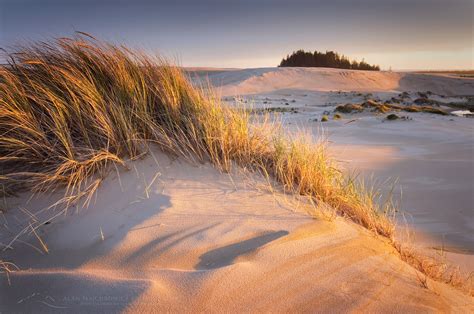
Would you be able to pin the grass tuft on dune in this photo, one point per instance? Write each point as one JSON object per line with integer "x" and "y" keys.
{"x": 72, "y": 108}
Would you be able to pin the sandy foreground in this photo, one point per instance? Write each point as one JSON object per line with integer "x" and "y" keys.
{"x": 166, "y": 235}
{"x": 178, "y": 237}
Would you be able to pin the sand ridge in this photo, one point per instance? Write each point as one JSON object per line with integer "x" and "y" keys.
{"x": 271, "y": 80}
{"x": 430, "y": 158}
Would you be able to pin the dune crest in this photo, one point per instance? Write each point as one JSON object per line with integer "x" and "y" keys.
{"x": 267, "y": 80}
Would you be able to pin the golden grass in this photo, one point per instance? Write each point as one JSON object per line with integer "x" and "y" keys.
{"x": 7, "y": 268}
{"x": 71, "y": 108}
{"x": 435, "y": 268}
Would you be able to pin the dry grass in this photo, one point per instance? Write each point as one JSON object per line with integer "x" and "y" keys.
{"x": 71, "y": 108}
{"x": 435, "y": 268}
{"x": 387, "y": 107}
{"x": 7, "y": 268}
{"x": 349, "y": 108}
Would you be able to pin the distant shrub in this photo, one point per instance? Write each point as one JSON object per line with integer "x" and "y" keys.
{"x": 348, "y": 108}
{"x": 392, "y": 117}
{"x": 328, "y": 59}
{"x": 324, "y": 118}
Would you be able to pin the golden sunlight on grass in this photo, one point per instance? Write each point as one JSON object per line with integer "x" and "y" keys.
{"x": 72, "y": 108}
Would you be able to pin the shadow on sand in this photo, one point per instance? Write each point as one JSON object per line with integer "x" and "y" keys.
{"x": 225, "y": 255}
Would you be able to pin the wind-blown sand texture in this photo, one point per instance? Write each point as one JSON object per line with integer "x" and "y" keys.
{"x": 170, "y": 236}
{"x": 177, "y": 237}
{"x": 430, "y": 156}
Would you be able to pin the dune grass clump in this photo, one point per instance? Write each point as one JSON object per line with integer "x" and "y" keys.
{"x": 435, "y": 268}
{"x": 72, "y": 108}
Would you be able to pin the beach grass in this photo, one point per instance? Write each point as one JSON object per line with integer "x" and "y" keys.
{"x": 73, "y": 107}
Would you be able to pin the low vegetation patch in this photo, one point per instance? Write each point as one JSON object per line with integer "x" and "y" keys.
{"x": 374, "y": 106}
{"x": 425, "y": 101}
{"x": 464, "y": 105}
{"x": 435, "y": 268}
{"x": 412, "y": 109}
{"x": 349, "y": 108}
{"x": 433, "y": 110}
{"x": 392, "y": 117}
{"x": 273, "y": 110}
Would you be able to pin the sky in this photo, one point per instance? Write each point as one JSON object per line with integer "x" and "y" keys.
{"x": 397, "y": 34}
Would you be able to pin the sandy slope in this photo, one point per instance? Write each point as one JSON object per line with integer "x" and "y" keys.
{"x": 169, "y": 236}
{"x": 433, "y": 160}
{"x": 431, "y": 156}
{"x": 267, "y": 80}
{"x": 191, "y": 239}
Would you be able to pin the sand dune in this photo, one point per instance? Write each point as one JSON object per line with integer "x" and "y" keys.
{"x": 170, "y": 236}
{"x": 177, "y": 237}
{"x": 267, "y": 80}
{"x": 430, "y": 156}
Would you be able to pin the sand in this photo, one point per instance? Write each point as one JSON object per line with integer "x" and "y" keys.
{"x": 271, "y": 80}
{"x": 206, "y": 241}
{"x": 430, "y": 157}
{"x": 166, "y": 235}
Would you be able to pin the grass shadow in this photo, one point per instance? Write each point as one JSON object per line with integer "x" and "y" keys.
{"x": 225, "y": 255}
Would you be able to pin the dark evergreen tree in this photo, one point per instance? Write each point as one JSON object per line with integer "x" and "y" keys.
{"x": 329, "y": 59}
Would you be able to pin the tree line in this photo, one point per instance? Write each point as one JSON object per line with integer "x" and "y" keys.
{"x": 329, "y": 59}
